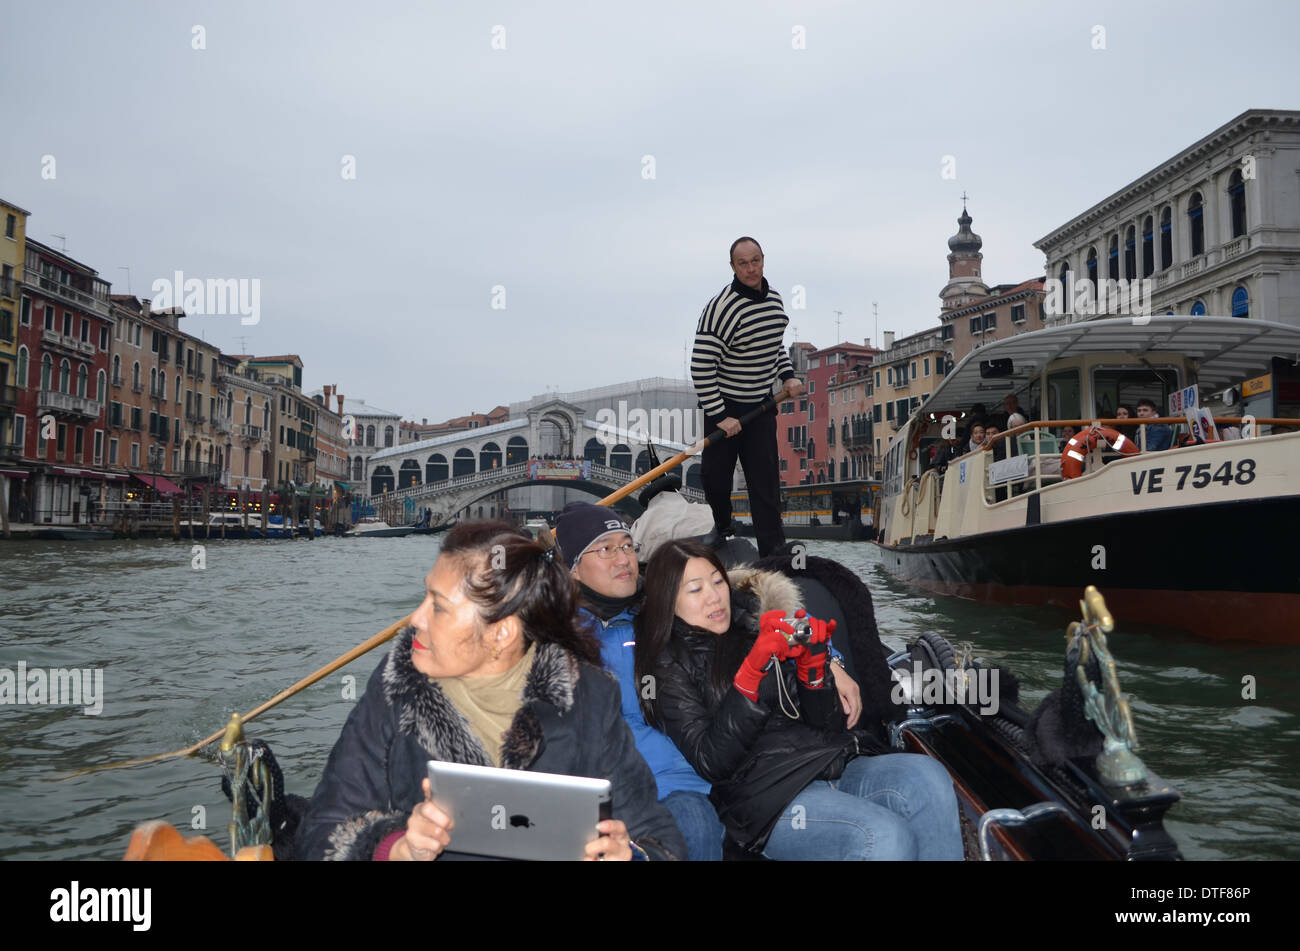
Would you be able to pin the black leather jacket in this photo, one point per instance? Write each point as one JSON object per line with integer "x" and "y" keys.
{"x": 756, "y": 756}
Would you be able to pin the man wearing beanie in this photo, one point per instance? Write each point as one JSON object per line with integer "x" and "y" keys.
{"x": 597, "y": 546}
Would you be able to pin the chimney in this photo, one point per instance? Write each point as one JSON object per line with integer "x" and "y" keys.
{"x": 889, "y": 339}
{"x": 425, "y": 421}
{"x": 339, "y": 396}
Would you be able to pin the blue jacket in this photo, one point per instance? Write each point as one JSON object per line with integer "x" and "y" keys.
{"x": 617, "y": 651}
{"x": 1159, "y": 436}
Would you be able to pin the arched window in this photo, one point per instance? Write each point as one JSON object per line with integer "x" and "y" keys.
{"x": 47, "y": 369}
{"x": 81, "y": 381}
{"x": 1198, "y": 309}
{"x": 101, "y": 386}
{"x": 370, "y": 436}
{"x": 153, "y": 381}
{"x": 1240, "y": 302}
{"x": 1166, "y": 238}
{"x": 178, "y": 386}
{"x": 1148, "y": 247}
{"x": 65, "y": 377}
{"x": 388, "y": 436}
{"x": 135, "y": 375}
{"x": 20, "y": 377}
{"x": 489, "y": 457}
{"x": 381, "y": 480}
{"x": 1237, "y": 200}
{"x": 462, "y": 463}
{"x": 1064, "y": 278}
{"x": 1196, "y": 221}
{"x": 1130, "y": 254}
{"x": 117, "y": 370}
{"x": 1092, "y": 266}
{"x": 620, "y": 457}
{"x": 642, "y": 463}
{"x": 1112, "y": 267}
{"x": 358, "y": 472}
{"x": 594, "y": 451}
{"x": 248, "y": 410}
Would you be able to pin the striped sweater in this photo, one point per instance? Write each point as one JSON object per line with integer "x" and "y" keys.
{"x": 738, "y": 353}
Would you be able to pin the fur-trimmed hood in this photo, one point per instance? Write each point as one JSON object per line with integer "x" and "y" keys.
{"x": 568, "y": 722}
{"x": 424, "y": 712}
{"x": 765, "y": 590}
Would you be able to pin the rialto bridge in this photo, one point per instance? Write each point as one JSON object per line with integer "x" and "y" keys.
{"x": 448, "y": 473}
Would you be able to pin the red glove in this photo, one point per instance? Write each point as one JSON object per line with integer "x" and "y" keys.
{"x": 810, "y": 661}
{"x": 771, "y": 643}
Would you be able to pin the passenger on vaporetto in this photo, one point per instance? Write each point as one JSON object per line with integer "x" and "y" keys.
{"x": 790, "y": 779}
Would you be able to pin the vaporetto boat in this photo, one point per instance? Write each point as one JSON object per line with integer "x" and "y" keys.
{"x": 1196, "y": 536}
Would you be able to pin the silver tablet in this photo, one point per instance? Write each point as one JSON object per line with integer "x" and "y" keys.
{"x": 517, "y": 814}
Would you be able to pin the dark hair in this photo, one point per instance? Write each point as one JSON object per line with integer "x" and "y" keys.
{"x": 731, "y": 255}
{"x": 1146, "y": 402}
{"x": 654, "y": 623}
{"x": 507, "y": 573}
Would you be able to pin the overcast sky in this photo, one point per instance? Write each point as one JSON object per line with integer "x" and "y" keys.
{"x": 525, "y": 167}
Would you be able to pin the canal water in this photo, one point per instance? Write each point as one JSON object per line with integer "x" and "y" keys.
{"x": 180, "y": 647}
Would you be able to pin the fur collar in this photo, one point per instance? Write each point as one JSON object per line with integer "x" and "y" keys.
{"x": 755, "y": 592}
{"x": 424, "y": 712}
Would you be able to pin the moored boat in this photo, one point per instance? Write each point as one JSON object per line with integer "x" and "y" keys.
{"x": 372, "y": 527}
{"x": 1191, "y": 537}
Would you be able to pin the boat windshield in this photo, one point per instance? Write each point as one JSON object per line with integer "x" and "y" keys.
{"x": 1113, "y": 387}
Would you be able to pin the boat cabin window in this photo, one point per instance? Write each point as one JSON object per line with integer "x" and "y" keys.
{"x": 1112, "y": 386}
{"x": 1063, "y": 396}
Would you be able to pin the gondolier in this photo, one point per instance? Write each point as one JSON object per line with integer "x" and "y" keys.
{"x": 738, "y": 355}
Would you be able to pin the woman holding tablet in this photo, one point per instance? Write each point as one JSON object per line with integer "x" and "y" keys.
{"x": 495, "y": 670}
{"x": 790, "y": 781}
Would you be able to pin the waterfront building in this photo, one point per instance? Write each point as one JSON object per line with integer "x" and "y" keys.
{"x": 246, "y": 423}
{"x": 1213, "y": 230}
{"x": 202, "y": 447}
{"x": 850, "y": 431}
{"x": 373, "y": 429}
{"x": 414, "y": 432}
{"x": 293, "y": 419}
{"x": 140, "y": 392}
{"x": 331, "y": 448}
{"x": 905, "y": 374}
{"x": 62, "y": 355}
{"x": 804, "y": 439}
{"x": 15, "y": 310}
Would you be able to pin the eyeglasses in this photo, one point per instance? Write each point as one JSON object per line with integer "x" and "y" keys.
{"x": 606, "y": 552}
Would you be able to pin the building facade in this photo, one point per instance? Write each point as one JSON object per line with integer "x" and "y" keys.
{"x": 1213, "y": 230}
{"x": 904, "y": 376}
{"x": 15, "y": 311}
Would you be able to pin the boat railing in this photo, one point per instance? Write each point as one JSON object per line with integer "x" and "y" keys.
{"x": 1044, "y": 467}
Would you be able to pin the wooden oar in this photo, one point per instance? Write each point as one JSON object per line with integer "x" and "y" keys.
{"x": 698, "y": 447}
{"x": 387, "y": 634}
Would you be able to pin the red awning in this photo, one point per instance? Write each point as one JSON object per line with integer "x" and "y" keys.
{"x": 164, "y": 485}
{"x": 14, "y": 473}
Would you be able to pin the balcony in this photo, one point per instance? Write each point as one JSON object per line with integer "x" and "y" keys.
{"x": 248, "y": 431}
{"x": 67, "y": 293}
{"x": 11, "y": 452}
{"x": 221, "y": 424}
{"x": 158, "y": 393}
{"x": 8, "y": 397}
{"x": 203, "y": 471}
{"x": 191, "y": 417}
{"x": 86, "y": 347}
{"x": 55, "y": 339}
{"x": 162, "y": 355}
{"x": 198, "y": 375}
{"x": 117, "y": 380}
{"x": 137, "y": 387}
{"x": 52, "y": 401}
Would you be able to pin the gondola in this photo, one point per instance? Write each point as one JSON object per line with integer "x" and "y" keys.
{"x": 1061, "y": 782}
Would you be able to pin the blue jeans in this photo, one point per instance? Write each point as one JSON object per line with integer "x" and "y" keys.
{"x": 894, "y": 807}
{"x": 699, "y": 824}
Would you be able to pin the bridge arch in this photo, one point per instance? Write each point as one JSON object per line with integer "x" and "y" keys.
{"x": 408, "y": 474}
{"x": 620, "y": 457}
{"x": 381, "y": 480}
{"x": 594, "y": 450}
{"x": 489, "y": 457}
{"x": 462, "y": 463}
{"x": 436, "y": 469}
{"x": 516, "y": 450}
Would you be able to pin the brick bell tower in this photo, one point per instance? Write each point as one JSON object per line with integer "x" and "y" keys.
{"x": 964, "y": 260}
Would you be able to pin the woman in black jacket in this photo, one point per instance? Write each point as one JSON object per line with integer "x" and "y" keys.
{"x": 495, "y": 670}
{"x": 759, "y": 718}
